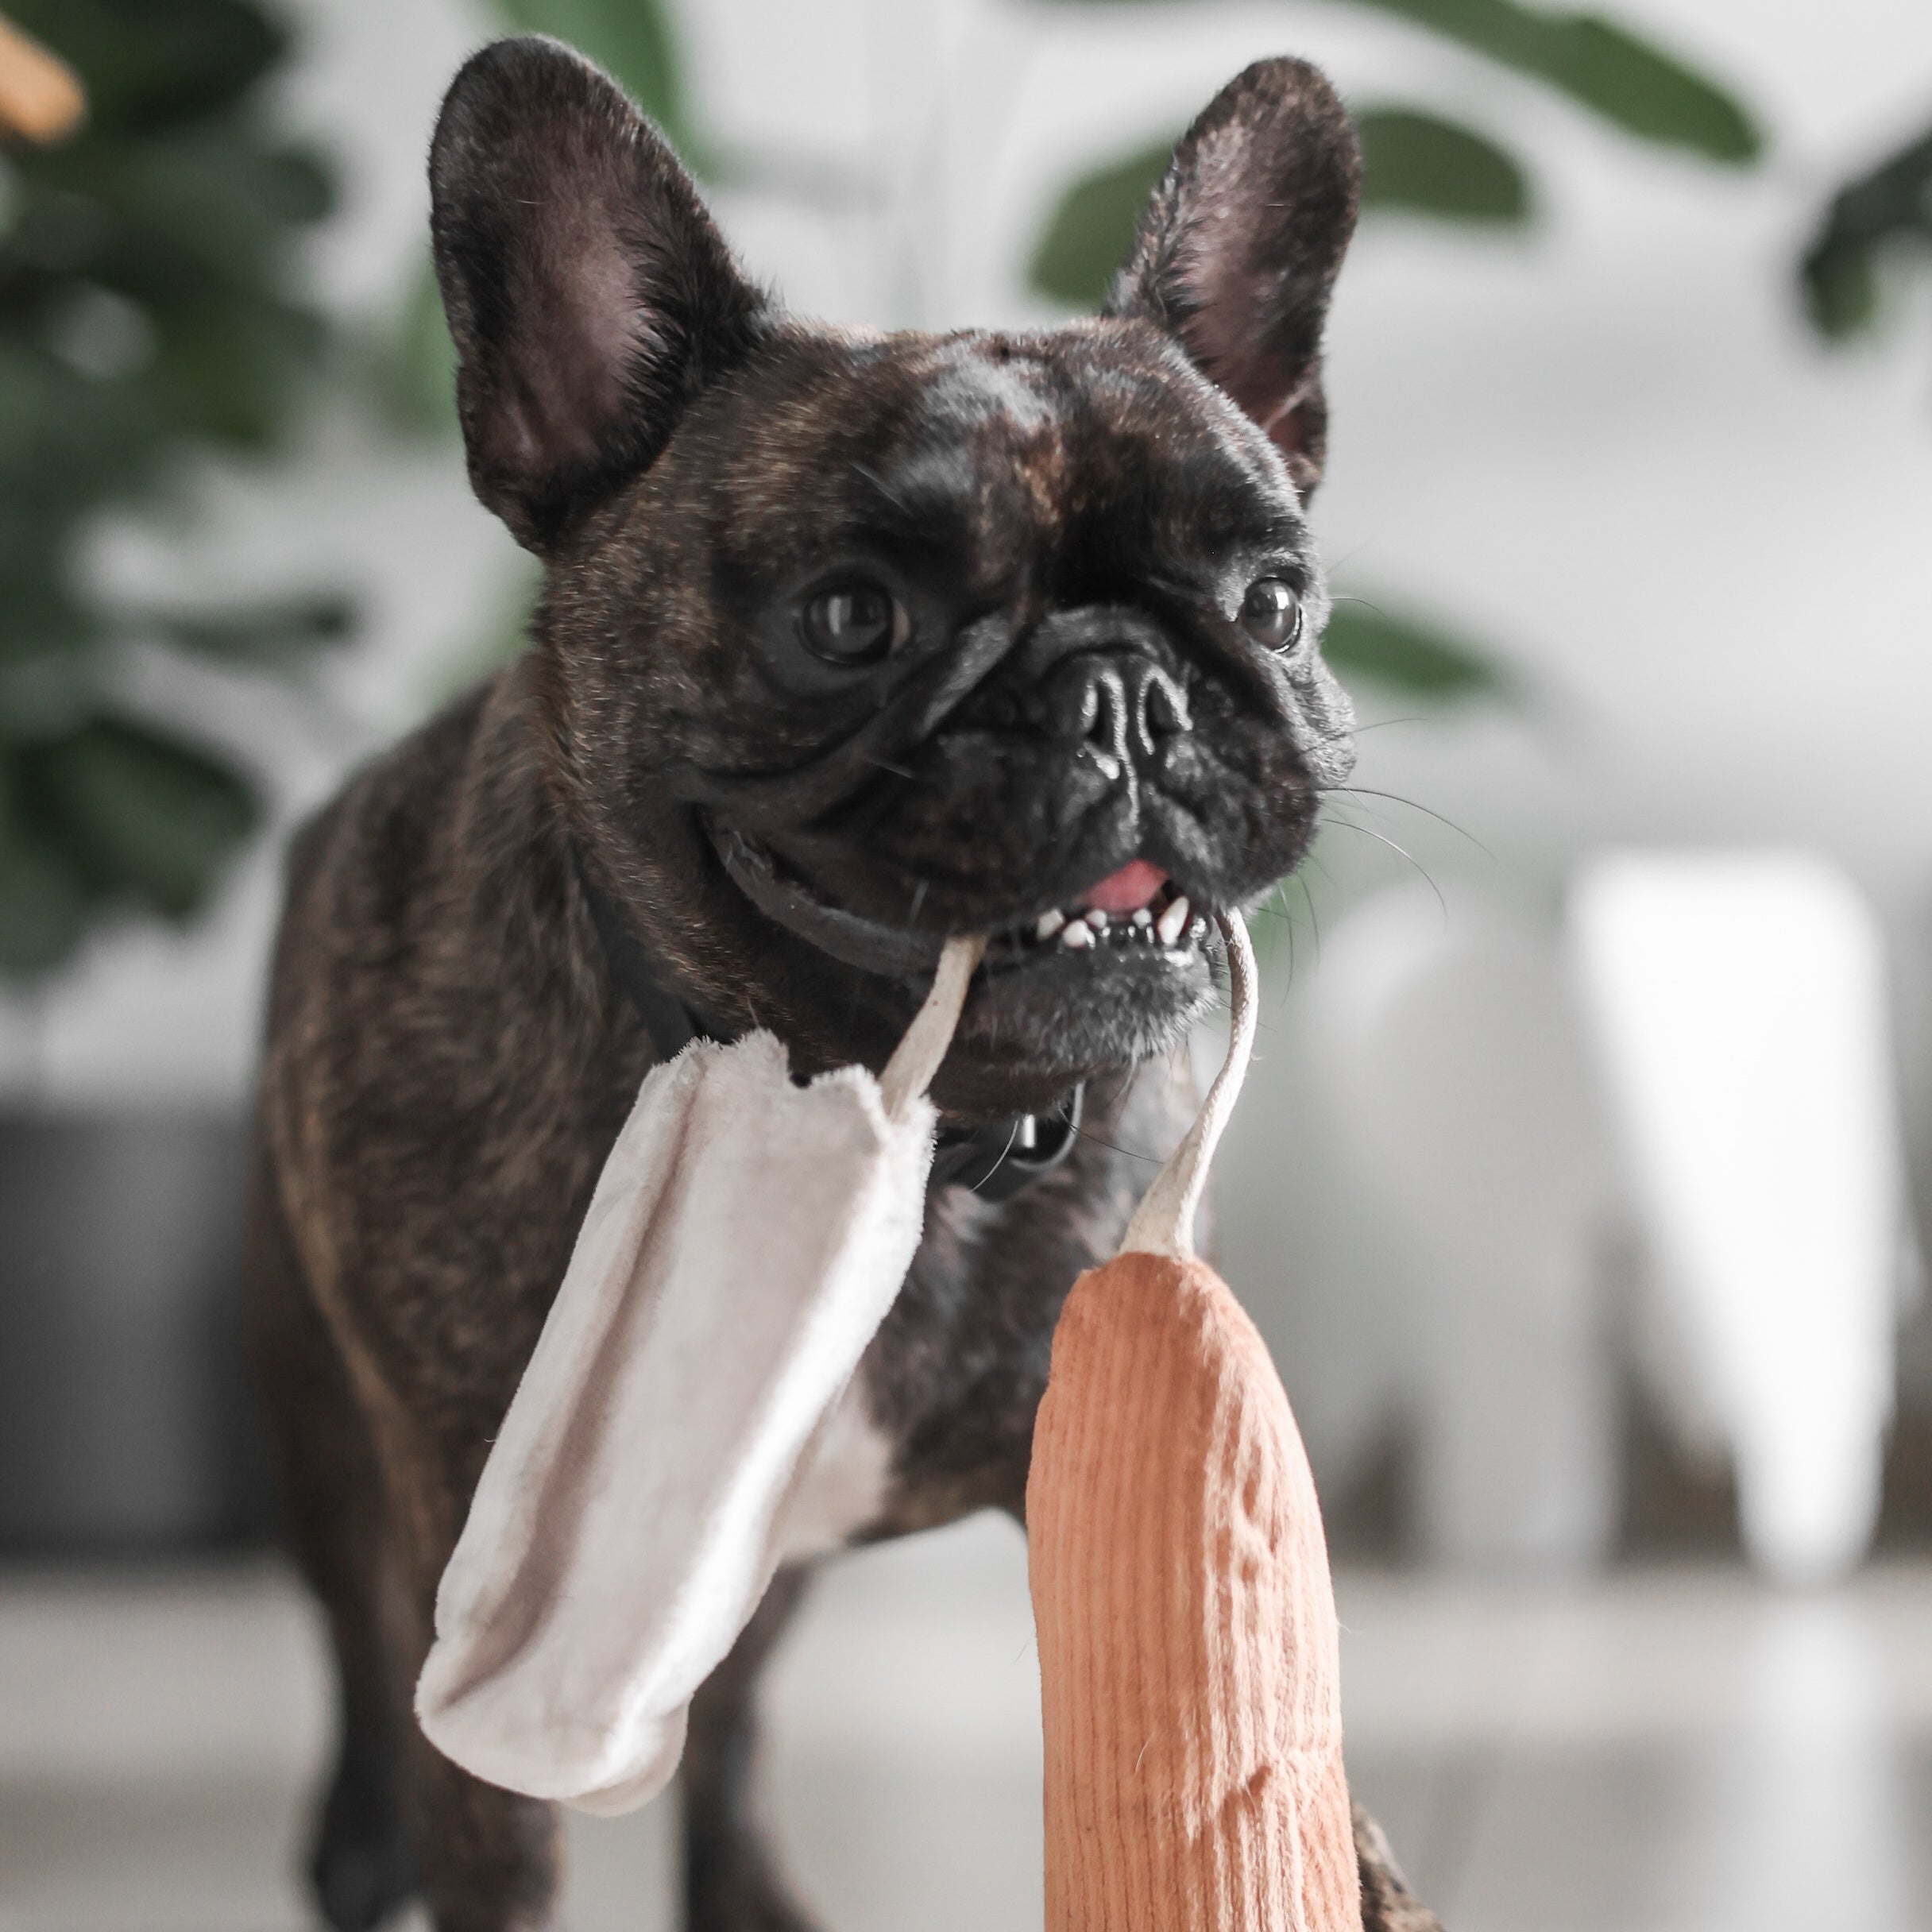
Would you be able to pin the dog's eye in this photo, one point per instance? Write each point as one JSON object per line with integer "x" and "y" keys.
{"x": 1271, "y": 612}
{"x": 853, "y": 623}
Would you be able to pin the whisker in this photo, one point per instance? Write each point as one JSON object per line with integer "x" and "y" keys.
{"x": 1152, "y": 1159}
{"x": 1313, "y": 858}
{"x": 1350, "y": 596}
{"x": 1427, "y": 879}
{"x": 1360, "y": 731}
{"x": 1315, "y": 919}
{"x": 1368, "y": 791}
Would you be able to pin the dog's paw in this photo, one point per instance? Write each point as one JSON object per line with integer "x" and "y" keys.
{"x": 742, "y": 1896}
{"x": 361, "y": 1868}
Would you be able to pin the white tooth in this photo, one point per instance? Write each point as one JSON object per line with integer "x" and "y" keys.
{"x": 1096, "y": 918}
{"x": 1109, "y": 764}
{"x": 1077, "y": 935}
{"x": 1173, "y": 923}
{"x": 1050, "y": 923}
{"x": 1143, "y": 917}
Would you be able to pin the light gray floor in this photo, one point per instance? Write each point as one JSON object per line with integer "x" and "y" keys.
{"x": 1667, "y": 1752}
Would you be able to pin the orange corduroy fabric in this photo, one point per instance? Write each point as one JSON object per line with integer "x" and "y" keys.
{"x": 1189, "y": 1673}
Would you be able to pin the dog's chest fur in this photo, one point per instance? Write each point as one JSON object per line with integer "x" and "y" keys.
{"x": 450, "y": 1063}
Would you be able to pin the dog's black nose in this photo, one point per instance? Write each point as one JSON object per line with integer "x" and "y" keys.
{"x": 1121, "y": 703}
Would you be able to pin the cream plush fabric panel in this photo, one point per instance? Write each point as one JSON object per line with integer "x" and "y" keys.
{"x": 746, "y": 1239}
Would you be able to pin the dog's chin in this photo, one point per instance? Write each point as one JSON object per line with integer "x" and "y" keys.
{"x": 1047, "y": 1007}
{"x": 1063, "y": 1017}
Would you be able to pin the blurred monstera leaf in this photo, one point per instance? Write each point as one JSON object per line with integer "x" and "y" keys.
{"x": 271, "y": 632}
{"x": 1089, "y": 233}
{"x": 150, "y": 308}
{"x": 631, "y": 41}
{"x": 1417, "y": 163}
{"x": 142, "y": 815}
{"x": 1407, "y": 657}
{"x": 1628, "y": 80}
{"x": 1885, "y": 212}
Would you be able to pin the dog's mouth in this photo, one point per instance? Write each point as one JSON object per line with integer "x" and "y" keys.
{"x": 1136, "y": 910}
{"x": 1137, "y": 905}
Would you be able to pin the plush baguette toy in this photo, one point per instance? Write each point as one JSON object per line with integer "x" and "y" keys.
{"x": 1189, "y": 1674}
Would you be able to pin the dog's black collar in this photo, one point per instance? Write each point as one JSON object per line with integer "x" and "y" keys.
{"x": 996, "y": 1161}
{"x": 666, "y": 1019}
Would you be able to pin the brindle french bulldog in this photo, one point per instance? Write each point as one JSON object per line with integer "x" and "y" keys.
{"x": 848, "y": 641}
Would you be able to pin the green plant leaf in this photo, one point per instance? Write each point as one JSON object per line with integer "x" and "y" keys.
{"x": 1417, "y": 163}
{"x": 45, "y": 905}
{"x": 410, "y": 364}
{"x": 272, "y": 633}
{"x": 1629, "y": 81}
{"x": 150, "y": 302}
{"x": 1087, "y": 236}
{"x": 144, "y": 815}
{"x": 150, "y": 64}
{"x": 1869, "y": 217}
{"x": 1840, "y": 283}
{"x": 630, "y": 39}
{"x": 1408, "y": 656}
{"x": 47, "y": 690}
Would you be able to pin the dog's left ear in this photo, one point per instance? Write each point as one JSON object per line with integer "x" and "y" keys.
{"x": 1240, "y": 247}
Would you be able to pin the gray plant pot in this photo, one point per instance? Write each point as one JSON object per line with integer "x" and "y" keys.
{"x": 125, "y": 1423}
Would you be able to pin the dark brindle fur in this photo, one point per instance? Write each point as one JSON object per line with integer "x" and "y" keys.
{"x": 450, "y": 1052}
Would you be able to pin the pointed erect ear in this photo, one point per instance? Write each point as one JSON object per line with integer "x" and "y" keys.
{"x": 1239, "y": 246}
{"x": 589, "y": 294}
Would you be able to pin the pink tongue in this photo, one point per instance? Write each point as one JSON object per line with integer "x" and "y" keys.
{"x": 1128, "y": 890}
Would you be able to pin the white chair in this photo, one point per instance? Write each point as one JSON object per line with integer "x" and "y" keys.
{"x": 1738, "y": 1001}
{"x": 1448, "y": 1063}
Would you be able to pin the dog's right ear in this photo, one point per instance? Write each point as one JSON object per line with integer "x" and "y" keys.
{"x": 589, "y": 294}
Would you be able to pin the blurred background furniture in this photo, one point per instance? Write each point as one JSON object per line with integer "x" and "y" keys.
{"x": 1742, "y": 1018}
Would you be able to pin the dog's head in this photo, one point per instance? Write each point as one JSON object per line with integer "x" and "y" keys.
{"x": 850, "y": 641}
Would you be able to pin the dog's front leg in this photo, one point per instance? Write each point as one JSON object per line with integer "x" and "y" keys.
{"x": 488, "y": 1860}
{"x": 729, "y": 1884}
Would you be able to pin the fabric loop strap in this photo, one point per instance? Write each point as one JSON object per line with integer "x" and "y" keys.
{"x": 1164, "y": 1222}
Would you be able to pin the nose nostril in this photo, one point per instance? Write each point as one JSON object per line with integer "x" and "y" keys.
{"x": 1104, "y": 710}
{"x": 1107, "y": 729}
{"x": 1160, "y": 710}
{"x": 1117, "y": 706}
{"x": 1164, "y": 704}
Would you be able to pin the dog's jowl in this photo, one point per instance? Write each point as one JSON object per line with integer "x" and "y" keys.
{"x": 848, "y": 641}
